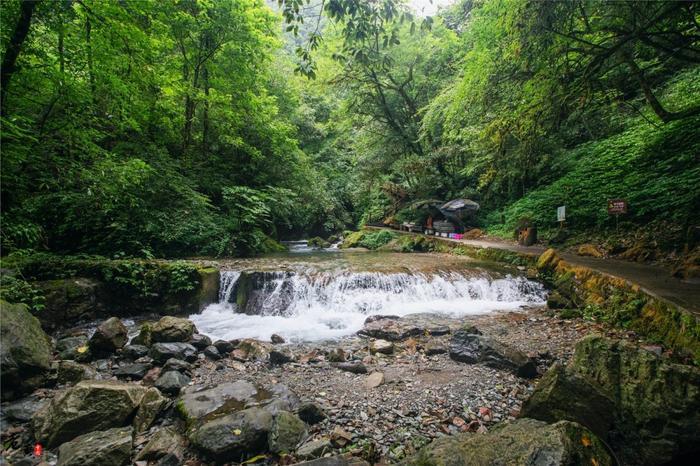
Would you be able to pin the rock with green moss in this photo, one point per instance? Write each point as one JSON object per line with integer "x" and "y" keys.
{"x": 645, "y": 406}
{"x": 71, "y": 299}
{"x": 171, "y": 329}
{"x": 233, "y": 437}
{"x": 318, "y": 243}
{"x": 352, "y": 240}
{"x": 100, "y": 448}
{"x": 152, "y": 403}
{"x": 110, "y": 336}
{"x": 286, "y": 432}
{"x": 25, "y": 351}
{"x": 524, "y": 442}
{"x": 88, "y": 406}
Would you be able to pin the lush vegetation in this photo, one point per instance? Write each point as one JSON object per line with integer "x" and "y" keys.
{"x": 215, "y": 127}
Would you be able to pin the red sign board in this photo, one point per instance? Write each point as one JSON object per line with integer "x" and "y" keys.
{"x": 617, "y": 206}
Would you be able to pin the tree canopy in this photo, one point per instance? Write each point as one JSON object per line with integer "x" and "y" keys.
{"x": 212, "y": 127}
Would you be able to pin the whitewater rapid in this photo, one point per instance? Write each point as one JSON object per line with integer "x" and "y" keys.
{"x": 313, "y": 307}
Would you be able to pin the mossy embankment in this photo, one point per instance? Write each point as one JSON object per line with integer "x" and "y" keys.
{"x": 394, "y": 241}
{"x": 619, "y": 302}
{"x": 69, "y": 289}
{"x": 576, "y": 291}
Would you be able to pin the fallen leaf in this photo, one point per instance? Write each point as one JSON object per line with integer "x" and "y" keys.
{"x": 585, "y": 441}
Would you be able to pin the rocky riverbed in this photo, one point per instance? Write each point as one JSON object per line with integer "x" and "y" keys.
{"x": 378, "y": 396}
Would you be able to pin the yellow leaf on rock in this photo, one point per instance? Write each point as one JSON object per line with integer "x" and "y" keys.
{"x": 236, "y": 431}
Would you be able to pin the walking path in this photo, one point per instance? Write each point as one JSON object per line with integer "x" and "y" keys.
{"x": 655, "y": 281}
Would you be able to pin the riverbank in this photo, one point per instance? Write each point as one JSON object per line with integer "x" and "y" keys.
{"x": 401, "y": 386}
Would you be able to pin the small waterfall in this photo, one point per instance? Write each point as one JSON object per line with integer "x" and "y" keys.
{"x": 315, "y": 306}
{"x": 227, "y": 283}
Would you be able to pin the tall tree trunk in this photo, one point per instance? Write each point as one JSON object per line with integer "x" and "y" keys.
{"x": 190, "y": 107}
{"x": 13, "y": 49}
{"x": 654, "y": 103}
{"x": 205, "y": 116}
{"x": 91, "y": 69}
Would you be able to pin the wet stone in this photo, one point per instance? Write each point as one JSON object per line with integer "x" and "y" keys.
{"x": 212, "y": 352}
{"x": 355, "y": 367}
{"x": 171, "y": 382}
{"x": 200, "y": 341}
{"x": 134, "y": 352}
{"x": 161, "y": 352}
{"x": 224, "y": 347}
{"x": 132, "y": 371}
{"x": 179, "y": 365}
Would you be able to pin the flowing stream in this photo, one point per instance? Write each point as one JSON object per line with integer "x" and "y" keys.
{"x": 317, "y": 300}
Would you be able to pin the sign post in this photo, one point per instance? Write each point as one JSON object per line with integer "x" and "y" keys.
{"x": 561, "y": 216}
{"x": 617, "y": 207}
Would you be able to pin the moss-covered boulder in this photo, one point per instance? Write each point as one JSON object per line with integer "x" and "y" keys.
{"x": 25, "y": 350}
{"x": 233, "y": 437}
{"x": 645, "y": 406}
{"x": 525, "y": 442}
{"x": 72, "y": 300}
{"x": 100, "y": 448}
{"x": 318, "y": 243}
{"x": 88, "y": 406}
{"x": 286, "y": 432}
{"x": 171, "y": 329}
{"x": 110, "y": 336}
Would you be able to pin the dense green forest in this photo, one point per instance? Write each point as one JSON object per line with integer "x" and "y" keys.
{"x": 214, "y": 127}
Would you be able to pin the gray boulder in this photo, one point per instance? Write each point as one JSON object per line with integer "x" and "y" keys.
{"x": 150, "y": 407}
{"x": 212, "y": 353}
{"x": 166, "y": 441}
{"x": 171, "y": 329}
{"x": 179, "y": 365}
{"x": 474, "y": 348}
{"x": 200, "y": 341}
{"x": 110, "y": 336}
{"x": 88, "y": 406}
{"x": 524, "y": 442}
{"x": 171, "y": 382}
{"x": 100, "y": 448}
{"x": 134, "y": 352}
{"x": 195, "y": 402}
{"x": 23, "y": 410}
{"x": 161, "y": 352}
{"x": 234, "y": 437}
{"x": 134, "y": 371}
{"x": 25, "y": 352}
{"x": 73, "y": 372}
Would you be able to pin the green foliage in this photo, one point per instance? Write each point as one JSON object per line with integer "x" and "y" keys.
{"x": 655, "y": 169}
{"x": 376, "y": 239}
{"x": 15, "y": 290}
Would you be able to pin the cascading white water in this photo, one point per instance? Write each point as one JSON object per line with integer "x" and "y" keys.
{"x": 227, "y": 283}
{"x": 310, "y": 307}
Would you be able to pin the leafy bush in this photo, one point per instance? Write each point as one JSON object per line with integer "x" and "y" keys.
{"x": 376, "y": 239}
{"x": 16, "y": 290}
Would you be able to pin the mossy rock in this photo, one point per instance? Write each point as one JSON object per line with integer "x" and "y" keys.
{"x": 318, "y": 242}
{"x": 644, "y": 405}
{"x": 353, "y": 239}
{"x": 25, "y": 350}
{"x": 524, "y": 442}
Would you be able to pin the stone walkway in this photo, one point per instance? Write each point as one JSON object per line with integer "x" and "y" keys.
{"x": 655, "y": 281}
